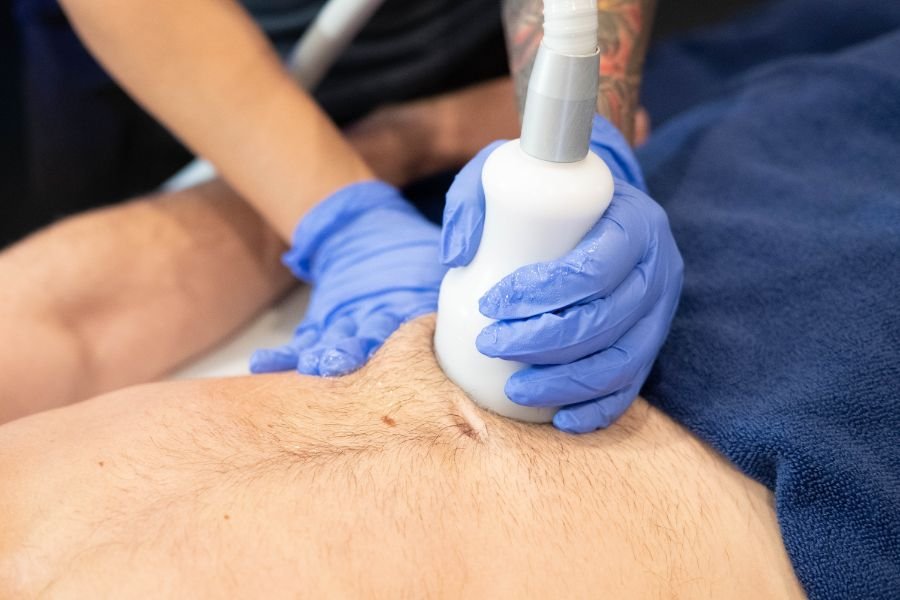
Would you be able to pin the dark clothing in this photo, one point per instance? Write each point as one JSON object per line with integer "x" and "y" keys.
{"x": 89, "y": 144}
{"x": 410, "y": 49}
{"x": 86, "y": 142}
{"x": 779, "y": 166}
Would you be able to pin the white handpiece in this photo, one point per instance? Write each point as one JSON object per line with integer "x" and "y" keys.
{"x": 543, "y": 193}
{"x": 535, "y": 211}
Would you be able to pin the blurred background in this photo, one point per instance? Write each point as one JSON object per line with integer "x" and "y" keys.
{"x": 70, "y": 139}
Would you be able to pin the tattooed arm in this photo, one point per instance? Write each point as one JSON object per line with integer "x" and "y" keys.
{"x": 624, "y": 30}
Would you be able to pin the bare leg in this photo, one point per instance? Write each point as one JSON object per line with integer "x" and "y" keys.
{"x": 122, "y": 295}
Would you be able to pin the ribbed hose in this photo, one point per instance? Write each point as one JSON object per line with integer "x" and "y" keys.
{"x": 336, "y": 25}
{"x": 570, "y": 26}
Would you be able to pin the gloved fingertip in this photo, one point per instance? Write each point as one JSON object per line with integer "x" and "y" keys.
{"x": 464, "y": 213}
{"x": 308, "y": 363}
{"x": 335, "y": 363}
{"x": 513, "y": 299}
{"x": 521, "y": 392}
{"x": 272, "y": 361}
{"x": 450, "y": 255}
{"x": 492, "y": 305}
{"x": 455, "y": 252}
{"x": 487, "y": 341}
{"x": 594, "y": 415}
{"x": 569, "y": 423}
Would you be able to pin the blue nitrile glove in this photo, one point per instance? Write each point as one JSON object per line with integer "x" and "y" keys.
{"x": 592, "y": 322}
{"x": 374, "y": 263}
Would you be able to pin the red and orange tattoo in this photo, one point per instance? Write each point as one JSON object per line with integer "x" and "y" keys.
{"x": 624, "y": 31}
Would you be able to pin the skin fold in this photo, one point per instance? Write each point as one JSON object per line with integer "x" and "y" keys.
{"x": 387, "y": 483}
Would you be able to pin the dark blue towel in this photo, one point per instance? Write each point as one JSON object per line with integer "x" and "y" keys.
{"x": 689, "y": 69}
{"x": 782, "y": 183}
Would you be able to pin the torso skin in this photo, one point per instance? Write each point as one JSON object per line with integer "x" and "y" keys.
{"x": 388, "y": 483}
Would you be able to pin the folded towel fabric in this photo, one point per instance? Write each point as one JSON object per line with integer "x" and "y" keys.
{"x": 782, "y": 183}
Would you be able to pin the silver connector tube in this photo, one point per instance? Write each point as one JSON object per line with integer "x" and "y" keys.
{"x": 562, "y": 91}
{"x": 560, "y": 106}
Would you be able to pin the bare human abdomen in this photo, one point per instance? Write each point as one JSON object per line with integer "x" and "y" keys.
{"x": 387, "y": 483}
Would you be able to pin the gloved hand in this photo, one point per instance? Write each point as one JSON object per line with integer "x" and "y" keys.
{"x": 591, "y": 323}
{"x": 374, "y": 263}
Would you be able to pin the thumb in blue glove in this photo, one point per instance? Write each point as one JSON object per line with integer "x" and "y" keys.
{"x": 591, "y": 323}
{"x": 374, "y": 263}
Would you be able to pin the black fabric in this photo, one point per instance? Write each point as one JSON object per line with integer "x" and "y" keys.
{"x": 410, "y": 49}
{"x": 14, "y": 216}
{"x": 416, "y": 48}
{"x": 89, "y": 144}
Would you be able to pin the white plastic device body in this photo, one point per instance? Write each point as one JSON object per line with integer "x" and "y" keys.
{"x": 543, "y": 193}
{"x": 535, "y": 211}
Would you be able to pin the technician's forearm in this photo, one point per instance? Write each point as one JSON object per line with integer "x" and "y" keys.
{"x": 624, "y": 33}
{"x": 122, "y": 295}
{"x": 207, "y": 72}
